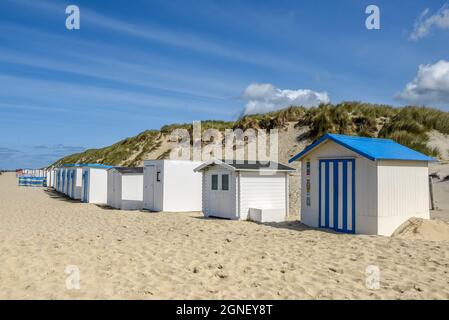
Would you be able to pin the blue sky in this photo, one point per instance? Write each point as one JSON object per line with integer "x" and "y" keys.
{"x": 139, "y": 65}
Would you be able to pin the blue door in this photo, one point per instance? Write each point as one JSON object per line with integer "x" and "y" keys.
{"x": 337, "y": 194}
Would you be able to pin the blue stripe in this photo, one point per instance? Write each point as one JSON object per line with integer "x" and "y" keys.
{"x": 326, "y": 185}
{"x": 319, "y": 195}
{"x": 336, "y": 194}
{"x": 345, "y": 195}
{"x": 353, "y": 196}
{"x": 326, "y": 190}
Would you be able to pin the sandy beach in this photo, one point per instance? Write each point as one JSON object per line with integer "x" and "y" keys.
{"x": 142, "y": 255}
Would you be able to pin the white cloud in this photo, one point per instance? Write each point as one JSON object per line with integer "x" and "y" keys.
{"x": 425, "y": 23}
{"x": 431, "y": 85}
{"x": 264, "y": 97}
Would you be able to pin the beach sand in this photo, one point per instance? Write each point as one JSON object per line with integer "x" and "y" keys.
{"x": 142, "y": 255}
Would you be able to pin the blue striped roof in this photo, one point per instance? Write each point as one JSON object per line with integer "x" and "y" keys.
{"x": 371, "y": 148}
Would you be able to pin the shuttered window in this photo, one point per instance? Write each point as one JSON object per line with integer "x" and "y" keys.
{"x": 214, "y": 182}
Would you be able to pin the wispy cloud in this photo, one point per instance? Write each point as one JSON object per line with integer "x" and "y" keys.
{"x": 101, "y": 98}
{"x": 180, "y": 39}
{"x": 425, "y": 22}
{"x": 7, "y": 153}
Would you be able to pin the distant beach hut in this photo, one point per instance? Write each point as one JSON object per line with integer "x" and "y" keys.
{"x": 49, "y": 175}
{"x": 362, "y": 185}
{"x": 65, "y": 178}
{"x": 58, "y": 179}
{"x": 95, "y": 183}
{"x": 74, "y": 180}
{"x": 125, "y": 188}
{"x": 171, "y": 185}
{"x": 61, "y": 179}
{"x": 245, "y": 190}
{"x": 53, "y": 178}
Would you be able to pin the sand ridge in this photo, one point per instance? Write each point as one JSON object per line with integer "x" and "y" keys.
{"x": 142, "y": 255}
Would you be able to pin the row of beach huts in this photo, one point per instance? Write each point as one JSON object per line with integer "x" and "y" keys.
{"x": 238, "y": 190}
{"x": 348, "y": 184}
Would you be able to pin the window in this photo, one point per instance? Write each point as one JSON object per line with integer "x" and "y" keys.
{"x": 225, "y": 182}
{"x": 215, "y": 182}
{"x": 308, "y": 168}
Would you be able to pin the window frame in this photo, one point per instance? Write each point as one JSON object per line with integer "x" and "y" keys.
{"x": 221, "y": 184}
{"x": 212, "y": 182}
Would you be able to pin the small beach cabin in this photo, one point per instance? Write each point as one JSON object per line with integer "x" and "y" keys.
{"x": 362, "y": 185}
{"x": 75, "y": 180}
{"x": 245, "y": 190}
{"x": 59, "y": 180}
{"x": 54, "y": 173}
{"x": 49, "y": 175}
{"x": 70, "y": 173}
{"x": 95, "y": 183}
{"x": 125, "y": 188}
{"x": 63, "y": 186}
{"x": 171, "y": 185}
{"x": 67, "y": 180}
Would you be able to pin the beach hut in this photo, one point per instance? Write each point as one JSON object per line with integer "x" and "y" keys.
{"x": 362, "y": 185}
{"x": 48, "y": 176}
{"x": 74, "y": 180}
{"x": 66, "y": 181}
{"x": 58, "y": 179}
{"x": 171, "y": 185}
{"x": 62, "y": 183}
{"x": 125, "y": 188}
{"x": 95, "y": 183}
{"x": 245, "y": 190}
{"x": 53, "y": 177}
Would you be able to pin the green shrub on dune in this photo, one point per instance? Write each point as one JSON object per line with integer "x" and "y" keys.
{"x": 408, "y": 125}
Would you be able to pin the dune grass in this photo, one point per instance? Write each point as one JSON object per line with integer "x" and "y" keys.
{"x": 408, "y": 126}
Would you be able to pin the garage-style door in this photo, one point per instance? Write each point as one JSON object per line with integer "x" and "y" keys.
{"x": 337, "y": 194}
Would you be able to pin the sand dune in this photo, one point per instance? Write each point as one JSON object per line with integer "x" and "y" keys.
{"x": 145, "y": 255}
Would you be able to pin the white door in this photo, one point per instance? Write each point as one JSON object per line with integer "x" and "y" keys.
{"x": 220, "y": 199}
{"x": 148, "y": 191}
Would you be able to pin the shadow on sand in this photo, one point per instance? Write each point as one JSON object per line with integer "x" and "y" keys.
{"x": 52, "y": 193}
{"x": 294, "y": 225}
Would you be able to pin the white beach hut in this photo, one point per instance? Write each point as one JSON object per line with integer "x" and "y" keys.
{"x": 69, "y": 174}
{"x": 245, "y": 190}
{"x": 75, "y": 181}
{"x": 171, "y": 185}
{"x": 49, "y": 174}
{"x": 125, "y": 188}
{"x": 63, "y": 184}
{"x": 53, "y": 177}
{"x": 95, "y": 183}
{"x": 362, "y": 185}
{"x": 67, "y": 180}
{"x": 59, "y": 179}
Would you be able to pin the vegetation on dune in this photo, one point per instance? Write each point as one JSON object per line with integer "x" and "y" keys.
{"x": 118, "y": 153}
{"x": 407, "y": 125}
{"x": 206, "y": 124}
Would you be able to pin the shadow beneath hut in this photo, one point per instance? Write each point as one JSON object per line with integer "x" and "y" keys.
{"x": 106, "y": 207}
{"x": 52, "y": 193}
{"x": 294, "y": 225}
